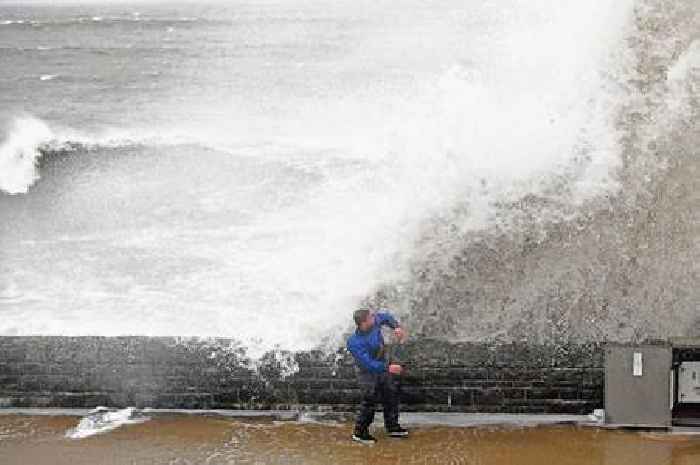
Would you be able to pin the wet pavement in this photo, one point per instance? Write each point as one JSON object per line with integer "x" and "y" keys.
{"x": 175, "y": 438}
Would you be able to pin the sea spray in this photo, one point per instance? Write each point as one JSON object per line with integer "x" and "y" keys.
{"x": 350, "y": 181}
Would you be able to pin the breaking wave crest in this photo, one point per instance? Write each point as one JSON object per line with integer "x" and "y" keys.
{"x": 20, "y": 152}
{"x": 29, "y": 139}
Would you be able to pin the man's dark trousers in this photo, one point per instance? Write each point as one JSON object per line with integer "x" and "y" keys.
{"x": 378, "y": 387}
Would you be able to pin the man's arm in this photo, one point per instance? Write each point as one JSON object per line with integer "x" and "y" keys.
{"x": 362, "y": 356}
{"x": 386, "y": 318}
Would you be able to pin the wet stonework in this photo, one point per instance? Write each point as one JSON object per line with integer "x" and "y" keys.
{"x": 215, "y": 373}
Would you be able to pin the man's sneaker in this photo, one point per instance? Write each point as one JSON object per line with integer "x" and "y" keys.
{"x": 397, "y": 431}
{"x": 363, "y": 437}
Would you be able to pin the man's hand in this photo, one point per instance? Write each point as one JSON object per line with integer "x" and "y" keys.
{"x": 400, "y": 334}
{"x": 395, "y": 369}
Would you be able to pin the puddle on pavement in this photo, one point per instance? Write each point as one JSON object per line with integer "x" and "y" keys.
{"x": 188, "y": 439}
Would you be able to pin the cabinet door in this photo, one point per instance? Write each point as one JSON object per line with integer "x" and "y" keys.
{"x": 689, "y": 382}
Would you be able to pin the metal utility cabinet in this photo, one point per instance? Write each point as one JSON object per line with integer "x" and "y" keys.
{"x": 653, "y": 385}
{"x": 638, "y": 385}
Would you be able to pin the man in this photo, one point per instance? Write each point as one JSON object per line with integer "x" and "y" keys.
{"x": 377, "y": 378}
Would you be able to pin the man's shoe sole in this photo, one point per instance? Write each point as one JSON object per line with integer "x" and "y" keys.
{"x": 363, "y": 441}
{"x": 398, "y": 434}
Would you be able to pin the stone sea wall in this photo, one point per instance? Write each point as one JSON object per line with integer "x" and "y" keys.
{"x": 196, "y": 373}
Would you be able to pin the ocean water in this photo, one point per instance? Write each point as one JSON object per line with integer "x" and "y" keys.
{"x": 256, "y": 169}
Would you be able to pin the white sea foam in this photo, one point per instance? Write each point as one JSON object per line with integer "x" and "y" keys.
{"x": 48, "y": 77}
{"x": 680, "y": 86}
{"x": 103, "y": 419}
{"x": 19, "y": 154}
{"x": 10, "y": 292}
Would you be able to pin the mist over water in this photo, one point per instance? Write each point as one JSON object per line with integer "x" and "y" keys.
{"x": 257, "y": 170}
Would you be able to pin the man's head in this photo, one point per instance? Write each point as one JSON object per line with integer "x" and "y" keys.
{"x": 364, "y": 319}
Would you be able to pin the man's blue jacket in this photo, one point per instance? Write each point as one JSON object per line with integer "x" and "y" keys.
{"x": 366, "y": 346}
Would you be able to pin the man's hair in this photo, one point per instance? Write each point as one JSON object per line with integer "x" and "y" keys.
{"x": 360, "y": 315}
